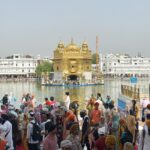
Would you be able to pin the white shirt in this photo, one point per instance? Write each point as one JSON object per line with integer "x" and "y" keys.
{"x": 67, "y": 102}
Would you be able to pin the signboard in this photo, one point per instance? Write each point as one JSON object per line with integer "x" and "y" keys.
{"x": 133, "y": 79}
{"x": 121, "y": 104}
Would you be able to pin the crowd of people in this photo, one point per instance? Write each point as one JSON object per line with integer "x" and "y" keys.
{"x": 54, "y": 125}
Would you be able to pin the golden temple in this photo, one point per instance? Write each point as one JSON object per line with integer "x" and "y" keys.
{"x": 72, "y": 62}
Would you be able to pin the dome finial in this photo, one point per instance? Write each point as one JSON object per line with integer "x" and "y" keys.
{"x": 72, "y": 40}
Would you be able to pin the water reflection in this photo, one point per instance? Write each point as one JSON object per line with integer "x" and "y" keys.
{"x": 111, "y": 87}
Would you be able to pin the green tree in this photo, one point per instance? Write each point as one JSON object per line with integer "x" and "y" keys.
{"x": 94, "y": 57}
{"x": 44, "y": 67}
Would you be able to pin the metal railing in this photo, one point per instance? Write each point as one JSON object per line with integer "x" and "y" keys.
{"x": 130, "y": 91}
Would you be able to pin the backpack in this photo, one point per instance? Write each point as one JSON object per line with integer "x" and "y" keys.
{"x": 126, "y": 137}
{"x": 36, "y": 134}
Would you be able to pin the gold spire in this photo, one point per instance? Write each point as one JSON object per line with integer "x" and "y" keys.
{"x": 72, "y": 41}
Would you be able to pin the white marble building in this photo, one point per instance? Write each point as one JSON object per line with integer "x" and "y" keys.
{"x": 124, "y": 65}
{"x": 18, "y": 66}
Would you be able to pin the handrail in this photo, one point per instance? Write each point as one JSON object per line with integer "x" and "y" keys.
{"x": 130, "y": 91}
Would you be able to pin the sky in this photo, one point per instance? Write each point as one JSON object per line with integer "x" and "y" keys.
{"x": 36, "y": 26}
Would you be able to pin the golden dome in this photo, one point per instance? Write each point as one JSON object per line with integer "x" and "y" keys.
{"x": 72, "y": 46}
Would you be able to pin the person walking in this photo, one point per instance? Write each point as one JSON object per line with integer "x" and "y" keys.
{"x": 50, "y": 141}
{"x": 100, "y": 101}
{"x": 85, "y": 129}
{"x": 95, "y": 115}
{"x": 8, "y": 135}
{"x": 100, "y": 142}
{"x": 144, "y": 102}
{"x": 74, "y": 137}
{"x": 67, "y": 100}
{"x": 33, "y": 144}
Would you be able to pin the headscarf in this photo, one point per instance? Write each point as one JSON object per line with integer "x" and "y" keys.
{"x": 110, "y": 140}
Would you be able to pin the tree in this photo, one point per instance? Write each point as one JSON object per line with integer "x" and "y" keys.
{"x": 44, "y": 67}
{"x": 95, "y": 57}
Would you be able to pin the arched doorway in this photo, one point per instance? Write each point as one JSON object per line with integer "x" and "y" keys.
{"x": 73, "y": 77}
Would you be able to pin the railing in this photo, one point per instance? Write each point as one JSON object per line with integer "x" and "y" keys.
{"x": 130, "y": 91}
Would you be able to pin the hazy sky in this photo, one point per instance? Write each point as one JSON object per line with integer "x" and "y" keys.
{"x": 36, "y": 26}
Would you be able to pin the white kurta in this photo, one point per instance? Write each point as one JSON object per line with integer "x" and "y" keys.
{"x": 67, "y": 102}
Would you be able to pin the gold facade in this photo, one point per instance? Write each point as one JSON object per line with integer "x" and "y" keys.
{"x": 72, "y": 61}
